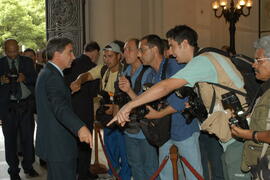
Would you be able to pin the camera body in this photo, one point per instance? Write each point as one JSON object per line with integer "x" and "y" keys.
{"x": 196, "y": 109}
{"x": 138, "y": 113}
{"x": 120, "y": 97}
{"x": 105, "y": 99}
{"x": 231, "y": 101}
{"x": 12, "y": 76}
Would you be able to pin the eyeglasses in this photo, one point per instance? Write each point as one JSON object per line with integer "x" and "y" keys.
{"x": 143, "y": 50}
{"x": 260, "y": 60}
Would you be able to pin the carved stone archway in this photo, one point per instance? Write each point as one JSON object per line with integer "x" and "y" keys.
{"x": 65, "y": 18}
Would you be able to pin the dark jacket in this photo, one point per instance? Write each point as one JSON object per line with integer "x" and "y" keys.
{"x": 57, "y": 124}
{"x": 82, "y": 101}
{"x": 26, "y": 66}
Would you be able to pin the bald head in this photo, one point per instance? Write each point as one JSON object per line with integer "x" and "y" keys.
{"x": 11, "y": 48}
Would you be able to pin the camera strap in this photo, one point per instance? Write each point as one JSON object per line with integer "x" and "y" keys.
{"x": 164, "y": 69}
{"x": 252, "y": 102}
{"x": 138, "y": 82}
{"x": 211, "y": 109}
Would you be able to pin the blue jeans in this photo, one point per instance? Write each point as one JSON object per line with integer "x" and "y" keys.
{"x": 116, "y": 149}
{"x": 188, "y": 148}
{"x": 142, "y": 158}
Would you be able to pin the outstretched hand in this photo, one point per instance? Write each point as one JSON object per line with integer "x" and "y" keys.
{"x": 122, "y": 116}
{"x": 75, "y": 86}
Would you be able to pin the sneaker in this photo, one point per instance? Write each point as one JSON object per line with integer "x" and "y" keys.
{"x": 32, "y": 172}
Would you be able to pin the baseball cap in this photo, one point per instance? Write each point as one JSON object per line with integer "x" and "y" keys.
{"x": 113, "y": 47}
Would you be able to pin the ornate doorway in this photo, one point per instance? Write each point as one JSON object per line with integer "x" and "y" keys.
{"x": 65, "y": 18}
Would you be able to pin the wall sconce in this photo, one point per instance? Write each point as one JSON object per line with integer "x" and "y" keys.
{"x": 232, "y": 13}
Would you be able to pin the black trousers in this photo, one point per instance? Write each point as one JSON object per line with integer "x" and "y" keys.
{"x": 84, "y": 159}
{"x": 19, "y": 119}
{"x": 65, "y": 170}
{"x": 211, "y": 152}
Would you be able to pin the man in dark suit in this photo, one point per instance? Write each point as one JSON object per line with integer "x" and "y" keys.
{"x": 82, "y": 102}
{"x": 17, "y": 81}
{"x": 57, "y": 124}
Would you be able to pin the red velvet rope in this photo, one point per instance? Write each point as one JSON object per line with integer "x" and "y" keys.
{"x": 193, "y": 171}
{"x": 106, "y": 155}
{"x": 162, "y": 165}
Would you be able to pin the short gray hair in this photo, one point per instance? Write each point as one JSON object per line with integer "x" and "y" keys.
{"x": 263, "y": 43}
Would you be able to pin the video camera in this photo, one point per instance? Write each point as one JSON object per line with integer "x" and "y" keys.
{"x": 196, "y": 109}
{"x": 231, "y": 101}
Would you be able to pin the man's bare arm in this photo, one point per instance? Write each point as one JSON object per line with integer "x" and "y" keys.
{"x": 158, "y": 91}
{"x": 82, "y": 78}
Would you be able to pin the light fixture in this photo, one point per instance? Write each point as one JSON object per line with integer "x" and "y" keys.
{"x": 232, "y": 15}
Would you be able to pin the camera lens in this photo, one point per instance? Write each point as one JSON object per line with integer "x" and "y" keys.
{"x": 188, "y": 115}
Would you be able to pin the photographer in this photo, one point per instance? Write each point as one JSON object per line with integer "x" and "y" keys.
{"x": 258, "y": 125}
{"x": 142, "y": 156}
{"x": 17, "y": 82}
{"x": 184, "y": 136}
{"x": 113, "y": 137}
{"x": 183, "y": 42}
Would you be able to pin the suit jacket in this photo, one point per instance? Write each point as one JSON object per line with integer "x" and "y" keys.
{"x": 57, "y": 124}
{"x": 26, "y": 66}
{"x": 82, "y": 101}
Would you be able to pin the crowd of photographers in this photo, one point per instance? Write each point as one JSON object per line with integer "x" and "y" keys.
{"x": 154, "y": 93}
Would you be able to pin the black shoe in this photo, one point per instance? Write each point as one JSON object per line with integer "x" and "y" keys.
{"x": 86, "y": 178}
{"x": 42, "y": 163}
{"x": 32, "y": 172}
{"x": 15, "y": 177}
{"x": 89, "y": 177}
{"x": 93, "y": 176}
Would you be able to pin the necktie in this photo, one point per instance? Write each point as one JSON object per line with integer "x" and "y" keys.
{"x": 16, "y": 90}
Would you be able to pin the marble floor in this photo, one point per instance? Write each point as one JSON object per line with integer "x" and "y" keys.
{"x": 3, "y": 165}
{"x": 43, "y": 172}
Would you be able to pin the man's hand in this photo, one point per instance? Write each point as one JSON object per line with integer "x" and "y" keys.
{"x": 239, "y": 132}
{"x": 21, "y": 78}
{"x": 122, "y": 116}
{"x": 85, "y": 136}
{"x": 153, "y": 114}
{"x": 4, "y": 79}
{"x": 75, "y": 86}
{"x": 124, "y": 84}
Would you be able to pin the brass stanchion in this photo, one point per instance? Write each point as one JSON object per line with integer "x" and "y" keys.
{"x": 97, "y": 168}
{"x": 174, "y": 159}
